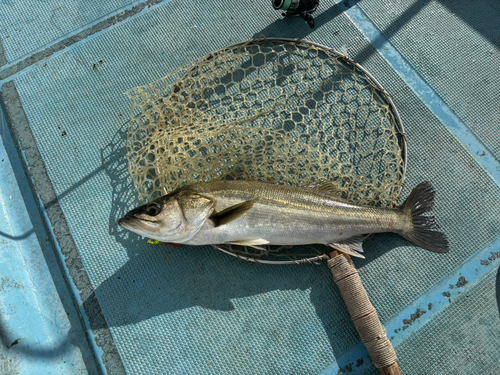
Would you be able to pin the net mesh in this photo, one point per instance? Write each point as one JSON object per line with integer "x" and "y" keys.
{"x": 279, "y": 111}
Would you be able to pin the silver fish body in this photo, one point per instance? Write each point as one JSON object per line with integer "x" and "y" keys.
{"x": 256, "y": 213}
{"x": 284, "y": 215}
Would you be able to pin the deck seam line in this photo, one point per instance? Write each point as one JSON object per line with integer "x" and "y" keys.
{"x": 441, "y": 296}
{"x": 3, "y": 58}
{"x": 424, "y": 91}
{"x": 20, "y": 133}
{"x": 75, "y": 38}
{"x": 474, "y": 269}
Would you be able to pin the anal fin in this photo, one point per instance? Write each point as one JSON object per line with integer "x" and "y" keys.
{"x": 352, "y": 246}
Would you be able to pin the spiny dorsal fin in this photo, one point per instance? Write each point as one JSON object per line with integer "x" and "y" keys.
{"x": 231, "y": 213}
{"x": 324, "y": 187}
{"x": 352, "y": 246}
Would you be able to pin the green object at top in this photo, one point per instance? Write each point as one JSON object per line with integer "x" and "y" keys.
{"x": 286, "y": 4}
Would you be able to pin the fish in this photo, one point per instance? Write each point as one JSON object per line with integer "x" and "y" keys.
{"x": 253, "y": 213}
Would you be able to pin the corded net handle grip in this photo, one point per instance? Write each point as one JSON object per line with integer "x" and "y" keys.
{"x": 363, "y": 313}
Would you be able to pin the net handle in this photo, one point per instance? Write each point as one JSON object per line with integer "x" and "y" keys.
{"x": 363, "y": 314}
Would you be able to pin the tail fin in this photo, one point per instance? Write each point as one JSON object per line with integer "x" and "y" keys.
{"x": 421, "y": 200}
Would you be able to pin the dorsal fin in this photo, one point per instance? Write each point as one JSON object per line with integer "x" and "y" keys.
{"x": 231, "y": 213}
{"x": 324, "y": 187}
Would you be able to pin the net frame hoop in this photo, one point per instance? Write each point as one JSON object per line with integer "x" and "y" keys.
{"x": 313, "y": 260}
{"x": 371, "y": 81}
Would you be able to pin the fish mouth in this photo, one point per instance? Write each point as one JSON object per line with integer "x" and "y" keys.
{"x": 139, "y": 225}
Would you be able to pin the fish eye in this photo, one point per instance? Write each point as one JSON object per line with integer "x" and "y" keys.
{"x": 153, "y": 209}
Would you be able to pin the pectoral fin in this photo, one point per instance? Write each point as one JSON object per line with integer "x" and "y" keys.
{"x": 252, "y": 243}
{"x": 231, "y": 213}
{"x": 352, "y": 246}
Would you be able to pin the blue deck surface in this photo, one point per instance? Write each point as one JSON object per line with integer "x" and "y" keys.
{"x": 84, "y": 296}
{"x": 28, "y": 26}
{"x": 40, "y": 330}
